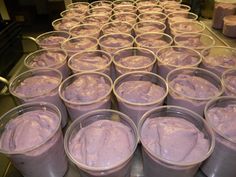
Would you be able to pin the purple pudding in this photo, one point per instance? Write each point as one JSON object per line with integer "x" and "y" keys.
{"x": 128, "y": 17}
{"x": 196, "y": 41}
{"x": 133, "y": 59}
{"x": 52, "y": 39}
{"x": 125, "y": 9}
{"x": 150, "y": 8}
{"x": 191, "y": 89}
{"x": 153, "y": 41}
{"x": 219, "y": 59}
{"x": 91, "y": 144}
{"x": 73, "y": 13}
{"x": 175, "y": 141}
{"x": 164, "y": 3}
{"x": 221, "y": 116}
{"x": 100, "y": 151}
{"x": 101, "y": 3}
{"x": 138, "y": 92}
{"x": 149, "y": 26}
{"x": 78, "y": 44}
{"x": 98, "y": 20}
{"x": 181, "y": 16}
{"x": 81, "y": 7}
{"x": 84, "y": 92}
{"x": 229, "y": 82}
{"x": 101, "y": 10}
{"x": 185, "y": 27}
{"x": 39, "y": 85}
{"x": 151, "y": 16}
{"x": 90, "y": 30}
{"x": 115, "y": 41}
{"x": 95, "y": 60}
{"x": 170, "y": 8}
{"x": 52, "y": 58}
{"x": 33, "y": 140}
{"x": 169, "y": 145}
{"x": 173, "y": 57}
{"x": 64, "y": 24}
{"x": 117, "y": 27}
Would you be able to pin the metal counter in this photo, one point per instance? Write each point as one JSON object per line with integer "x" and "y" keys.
{"x": 6, "y": 168}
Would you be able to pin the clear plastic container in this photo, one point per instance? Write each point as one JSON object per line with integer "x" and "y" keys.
{"x": 196, "y": 41}
{"x": 149, "y": 26}
{"x": 81, "y": 7}
{"x": 121, "y": 168}
{"x": 218, "y": 59}
{"x": 65, "y": 24}
{"x": 94, "y": 93}
{"x": 168, "y": 2}
{"x": 113, "y": 42}
{"x": 93, "y": 60}
{"x": 101, "y": 10}
{"x": 185, "y": 27}
{"x": 51, "y": 58}
{"x": 172, "y": 57}
{"x": 79, "y": 44}
{"x": 135, "y": 109}
{"x": 49, "y": 95}
{"x": 125, "y": 9}
{"x": 153, "y": 41}
{"x": 221, "y": 162}
{"x": 156, "y": 165}
{"x": 181, "y": 16}
{"x": 228, "y": 80}
{"x": 222, "y": 8}
{"x": 151, "y": 16}
{"x": 98, "y": 19}
{"x": 73, "y": 13}
{"x": 170, "y": 8}
{"x": 102, "y": 3}
{"x": 141, "y": 3}
{"x": 144, "y": 61}
{"x": 184, "y": 90}
{"x": 119, "y": 3}
{"x": 117, "y": 27}
{"x": 128, "y": 17}
{"x": 46, "y": 158}
{"x": 52, "y": 39}
{"x": 90, "y": 30}
{"x": 150, "y": 8}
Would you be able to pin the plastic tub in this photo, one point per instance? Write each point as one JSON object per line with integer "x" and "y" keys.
{"x": 218, "y": 59}
{"x": 133, "y": 59}
{"x": 121, "y": 166}
{"x": 43, "y": 84}
{"x": 90, "y": 30}
{"x": 52, "y": 39}
{"x": 93, "y": 60}
{"x": 37, "y": 156}
{"x": 132, "y": 105}
{"x": 85, "y": 92}
{"x": 159, "y": 164}
{"x": 51, "y": 58}
{"x": 192, "y": 88}
{"x": 172, "y": 57}
{"x": 216, "y": 110}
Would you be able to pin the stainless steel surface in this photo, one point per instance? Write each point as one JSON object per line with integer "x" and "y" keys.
{"x": 218, "y": 35}
{"x": 7, "y": 170}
